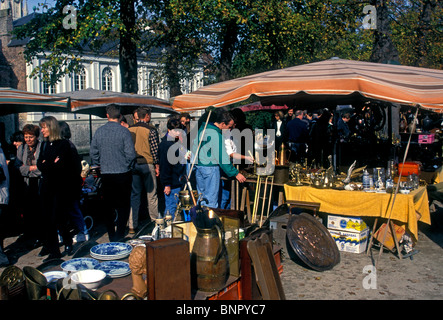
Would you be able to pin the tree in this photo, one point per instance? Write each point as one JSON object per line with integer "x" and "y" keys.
{"x": 241, "y": 37}
{"x": 384, "y": 50}
{"x": 173, "y": 26}
{"x": 102, "y": 27}
{"x": 417, "y": 28}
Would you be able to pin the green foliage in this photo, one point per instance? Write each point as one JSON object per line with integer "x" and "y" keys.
{"x": 417, "y": 31}
{"x": 259, "y": 119}
{"x": 236, "y": 37}
{"x": 98, "y": 24}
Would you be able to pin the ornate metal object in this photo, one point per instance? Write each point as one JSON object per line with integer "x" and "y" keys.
{"x": 13, "y": 276}
{"x": 312, "y": 242}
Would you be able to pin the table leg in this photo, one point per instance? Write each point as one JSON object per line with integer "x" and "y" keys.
{"x": 281, "y": 197}
{"x": 248, "y": 206}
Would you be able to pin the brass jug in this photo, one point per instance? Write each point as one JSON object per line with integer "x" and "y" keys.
{"x": 282, "y": 156}
{"x": 209, "y": 262}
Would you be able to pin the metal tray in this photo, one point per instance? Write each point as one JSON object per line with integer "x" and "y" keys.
{"x": 312, "y": 242}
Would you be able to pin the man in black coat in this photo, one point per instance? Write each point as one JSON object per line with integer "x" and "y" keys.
{"x": 298, "y": 135}
{"x": 172, "y": 164}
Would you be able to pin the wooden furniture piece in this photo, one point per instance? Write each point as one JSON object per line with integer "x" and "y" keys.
{"x": 268, "y": 278}
{"x": 312, "y": 206}
{"x": 168, "y": 269}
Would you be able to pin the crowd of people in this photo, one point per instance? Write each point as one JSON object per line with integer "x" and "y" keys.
{"x": 309, "y": 136}
{"x": 133, "y": 161}
{"x": 135, "y": 164}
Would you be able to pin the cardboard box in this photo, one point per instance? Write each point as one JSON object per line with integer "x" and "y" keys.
{"x": 355, "y": 242}
{"x": 385, "y": 236}
{"x": 350, "y": 224}
{"x": 185, "y": 231}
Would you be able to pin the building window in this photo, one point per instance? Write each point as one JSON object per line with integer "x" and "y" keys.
{"x": 107, "y": 79}
{"x": 48, "y": 89}
{"x": 152, "y": 90}
{"x": 80, "y": 80}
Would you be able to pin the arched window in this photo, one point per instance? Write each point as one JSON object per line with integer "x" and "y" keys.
{"x": 107, "y": 79}
{"x": 80, "y": 80}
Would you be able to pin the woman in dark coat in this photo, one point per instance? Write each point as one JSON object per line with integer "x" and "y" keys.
{"x": 58, "y": 185}
{"x": 27, "y": 155}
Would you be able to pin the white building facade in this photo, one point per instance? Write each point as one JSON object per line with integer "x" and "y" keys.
{"x": 103, "y": 73}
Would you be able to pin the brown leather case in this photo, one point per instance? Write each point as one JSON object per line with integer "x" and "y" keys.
{"x": 168, "y": 269}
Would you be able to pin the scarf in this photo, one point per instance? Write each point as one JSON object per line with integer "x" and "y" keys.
{"x": 30, "y": 158}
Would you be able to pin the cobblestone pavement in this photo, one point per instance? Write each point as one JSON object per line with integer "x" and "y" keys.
{"x": 395, "y": 279}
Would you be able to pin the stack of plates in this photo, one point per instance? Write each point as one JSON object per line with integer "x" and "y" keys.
{"x": 114, "y": 269}
{"x": 111, "y": 251}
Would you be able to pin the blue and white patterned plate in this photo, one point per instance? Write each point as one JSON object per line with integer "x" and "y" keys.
{"x": 114, "y": 269}
{"x": 55, "y": 275}
{"x": 79, "y": 264}
{"x": 111, "y": 251}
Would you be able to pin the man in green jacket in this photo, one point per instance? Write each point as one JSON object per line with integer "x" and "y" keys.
{"x": 212, "y": 157}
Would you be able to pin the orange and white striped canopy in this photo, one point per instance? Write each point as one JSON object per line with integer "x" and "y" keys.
{"x": 337, "y": 79}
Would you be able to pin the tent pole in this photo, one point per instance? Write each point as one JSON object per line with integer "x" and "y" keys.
{"x": 90, "y": 128}
{"x": 396, "y": 192}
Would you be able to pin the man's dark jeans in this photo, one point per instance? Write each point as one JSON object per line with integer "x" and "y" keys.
{"x": 117, "y": 199}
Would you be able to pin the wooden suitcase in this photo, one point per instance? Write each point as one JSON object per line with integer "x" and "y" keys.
{"x": 168, "y": 269}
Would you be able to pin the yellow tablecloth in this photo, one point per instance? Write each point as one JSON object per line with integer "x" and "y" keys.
{"x": 408, "y": 208}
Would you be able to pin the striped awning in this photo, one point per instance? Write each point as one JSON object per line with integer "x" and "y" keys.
{"x": 94, "y": 102}
{"x": 18, "y": 101}
{"x": 336, "y": 80}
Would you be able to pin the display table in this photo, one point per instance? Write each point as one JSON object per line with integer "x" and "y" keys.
{"x": 408, "y": 208}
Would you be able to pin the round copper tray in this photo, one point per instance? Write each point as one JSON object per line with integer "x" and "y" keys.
{"x": 312, "y": 242}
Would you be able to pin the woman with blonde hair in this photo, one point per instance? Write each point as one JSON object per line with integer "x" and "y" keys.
{"x": 58, "y": 168}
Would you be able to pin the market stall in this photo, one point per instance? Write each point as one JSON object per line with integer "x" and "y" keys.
{"x": 408, "y": 209}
